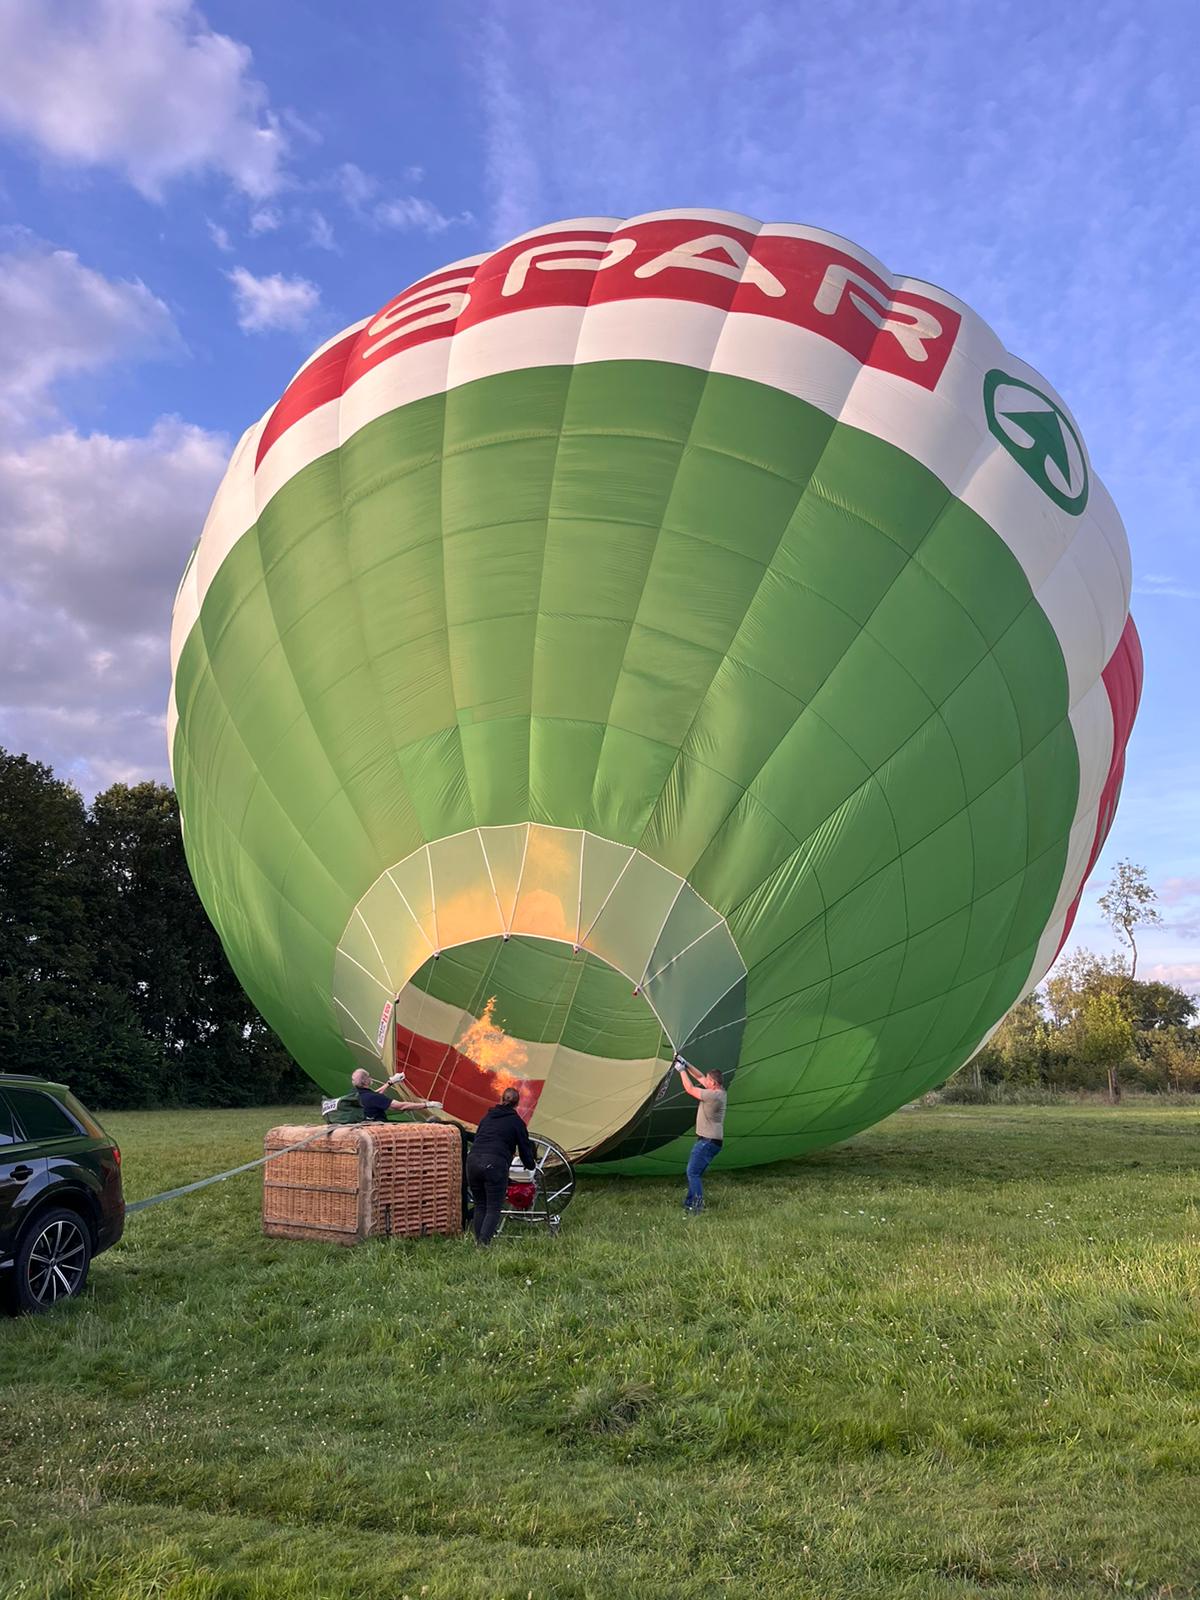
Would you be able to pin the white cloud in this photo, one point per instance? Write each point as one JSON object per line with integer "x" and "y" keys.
{"x": 320, "y": 233}
{"x": 1176, "y": 891}
{"x": 219, "y": 236}
{"x": 266, "y": 219}
{"x": 141, "y": 86}
{"x": 513, "y": 161}
{"x": 362, "y": 194}
{"x": 274, "y": 302}
{"x": 1155, "y": 584}
{"x": 101, "y": 526}
{"x": 410, "y": 214}
{"x": 59, "y": 318}
{"x": 1183, "y": 974}
{"x": 94, "y": 530}
{"x": 355, "y": 186}
{"x": 94, "y": 534}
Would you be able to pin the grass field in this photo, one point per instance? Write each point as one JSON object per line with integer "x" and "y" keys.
{"x": 957, "y": 1356}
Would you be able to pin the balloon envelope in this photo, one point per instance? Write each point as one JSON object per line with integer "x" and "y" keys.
{"x": 677, "y": 634}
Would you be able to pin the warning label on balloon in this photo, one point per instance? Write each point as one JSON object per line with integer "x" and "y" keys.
{"x": 384, "y": 1019}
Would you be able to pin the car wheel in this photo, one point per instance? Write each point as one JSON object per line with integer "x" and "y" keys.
{"x": 52, "y": 1261}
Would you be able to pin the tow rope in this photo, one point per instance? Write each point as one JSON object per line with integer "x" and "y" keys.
{"x": 219, "y": 1177}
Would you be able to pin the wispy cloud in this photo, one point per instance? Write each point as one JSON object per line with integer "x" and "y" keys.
{"x": 1157, "y": 584}
{"x": 144, "y": 87}
{"x": 1022, "y": 184}
{"x": 410, "y": 214}
{"x": 219, "y": 236}
{"x": 272, "y": 303}
{"x": 514, "y": 160}
{"x": 320, "y": 232}
{"x": 365, "y": 197}
{"x": 356, "y": 187}
{"x": 1183, "y": 974}
{"x": 1180, "y": 901}
{"x": 1177, "y": 891}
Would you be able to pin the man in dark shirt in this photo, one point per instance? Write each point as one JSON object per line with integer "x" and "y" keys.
{"x": 500, "y": 1133}
{"x": 375, "y": 1106}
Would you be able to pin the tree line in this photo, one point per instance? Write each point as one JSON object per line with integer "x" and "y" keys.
{"x": 1094, "y": 1024}
{"x": 1091, "y": 1026}
{"x": 111, "y": 975}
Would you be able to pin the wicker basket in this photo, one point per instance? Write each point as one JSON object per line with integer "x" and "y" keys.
{"x": 362, "y": 1181}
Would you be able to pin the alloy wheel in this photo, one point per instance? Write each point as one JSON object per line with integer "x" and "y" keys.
{"x": 57, "y": 1262}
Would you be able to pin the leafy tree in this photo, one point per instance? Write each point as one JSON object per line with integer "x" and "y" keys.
{"x": 1173, "y": 1056}
{"x": 150, "y": 923}
{"x": 162, "y": 951}
{"x": 1068, "y": 1032}
{"x": 1015, "y": 1054}
{"x": 111, "y": 975}
{"x": 1101, "y": 1036}
{"x": 1073, "y": 991}
{"x": 1075, "y": 976}
{"x": 1150, "y": 1006}
{"x": 49, "y": 997}
{"x": 1156, "y": 1006}
{"x": 1128, "y": 904}
{"x": 43, "y": 875}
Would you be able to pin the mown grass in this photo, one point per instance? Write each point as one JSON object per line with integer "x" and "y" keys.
{"x": 957, "y": 1356}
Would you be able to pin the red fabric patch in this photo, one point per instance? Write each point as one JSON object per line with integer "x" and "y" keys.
{"x": 1123, "y": 680}
{"x": 805, "y": 282}
{"x": 437, "y": 1071}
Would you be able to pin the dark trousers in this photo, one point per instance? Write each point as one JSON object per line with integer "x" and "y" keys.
{"x": 488, "y": 1177}
{"x": 466, "y": 1187}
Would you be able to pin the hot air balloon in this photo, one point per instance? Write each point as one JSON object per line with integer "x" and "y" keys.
{"x": 672, "y": 634}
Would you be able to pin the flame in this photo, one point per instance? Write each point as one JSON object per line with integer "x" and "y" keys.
{"x": 551, "y": 855}
{"x": 489, "y": 1047}
{"x": 470, "y": 914}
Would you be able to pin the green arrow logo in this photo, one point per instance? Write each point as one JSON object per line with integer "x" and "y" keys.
{"x": 1040, "y": 438}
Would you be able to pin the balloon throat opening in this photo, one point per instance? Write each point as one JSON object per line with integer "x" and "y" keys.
{"x": 598, "y": 962}
{"x": 581, "y": 1044}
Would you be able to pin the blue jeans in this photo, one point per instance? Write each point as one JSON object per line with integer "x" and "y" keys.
{"x": 703, "y": 1153}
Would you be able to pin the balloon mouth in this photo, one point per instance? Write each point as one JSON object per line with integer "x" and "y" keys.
{"x": 582, "y": 1049}
{"x": 551, "y": 960}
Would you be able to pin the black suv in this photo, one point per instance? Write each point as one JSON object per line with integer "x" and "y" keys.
{"x": 60, "y": 1192}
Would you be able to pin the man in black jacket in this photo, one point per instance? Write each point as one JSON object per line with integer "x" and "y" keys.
{"x": 499, "y": 1134}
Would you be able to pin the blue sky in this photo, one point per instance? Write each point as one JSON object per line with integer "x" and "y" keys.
{"x": 192, "y": 197}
